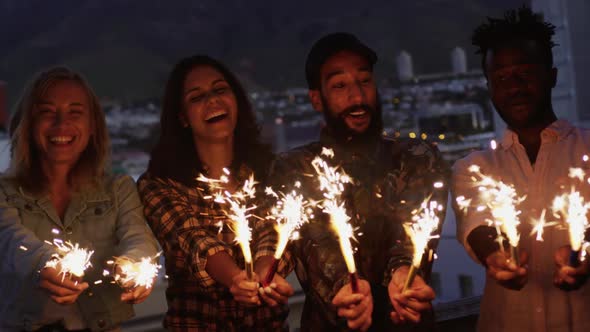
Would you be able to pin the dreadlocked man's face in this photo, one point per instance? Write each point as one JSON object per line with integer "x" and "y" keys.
{"x": 347, "y": 94}
{"x": 520, "y": 84}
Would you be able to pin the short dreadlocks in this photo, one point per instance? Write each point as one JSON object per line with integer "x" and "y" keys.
{"x": 517, "y": 25}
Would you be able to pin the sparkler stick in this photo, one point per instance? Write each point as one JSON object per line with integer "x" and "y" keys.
{"x": 332, "y": 183}
{"x": 238, "y": 212}
{"x": 501, "y": 200}
{"x": 71, "y": 260}
{"x": 425, "y": 222}
{"x": 289, "y": 212}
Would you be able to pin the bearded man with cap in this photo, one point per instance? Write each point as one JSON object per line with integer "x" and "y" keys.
{"x": 391, "y": 178}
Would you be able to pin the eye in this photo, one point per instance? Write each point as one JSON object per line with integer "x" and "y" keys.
{"x": 221, "y": 90}
{"x": 338, "y": 85}
{"x": 197, "y": 98}
{"x": 45, "y": 111}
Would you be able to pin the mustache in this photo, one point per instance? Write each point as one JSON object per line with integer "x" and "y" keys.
{"x": 354, "y": 108}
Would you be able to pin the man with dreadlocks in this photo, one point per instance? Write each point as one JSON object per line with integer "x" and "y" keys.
{"x": 535, "y": 154}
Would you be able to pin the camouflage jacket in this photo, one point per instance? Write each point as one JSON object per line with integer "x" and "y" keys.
{"x": 391, "y": 178}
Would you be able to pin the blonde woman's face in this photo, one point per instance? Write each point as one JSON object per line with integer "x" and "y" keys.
{"x": 61, "y": 123}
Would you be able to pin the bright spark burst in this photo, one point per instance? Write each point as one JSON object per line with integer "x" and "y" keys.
{"x": 137, "y": 273}
{"x": 540, "y": 224}
{"x": 573, "y": 210}
{"x": 424, "y": 222}
{"x": 239, "y": 208}
{"x": 71, "y": 259}
{"x": 290, "y": 212}
{"x": 332, "y": 183}
{"x": 501, "y": 200}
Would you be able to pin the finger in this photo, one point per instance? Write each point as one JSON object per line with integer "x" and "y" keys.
{"x": 65, "y": 299}
{"x": 411, "y": 315}
{"x": 367, "y": 324}
{"x": 347, "y": 299}
{"x": 395, "y": 317}
{"x": 504, "y": 275}
{"x": 275, "y": 295}
{"x": 418, "y": 306}
{"x": 249, "y": 286}
{"x": 352, "y": 312}
{"x": 400, "y": 311}
{"x": 423, "y": 294}
{"x": 57, "y": 290}
{"x": 357, "y": 323}
{"x": 267, "y": 299}
{"x": 283, "y": 288}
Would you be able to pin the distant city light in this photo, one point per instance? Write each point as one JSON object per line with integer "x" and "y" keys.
{"x": 441, "y": 136}
{"x": 493, "y": 144}
{"x": 412, "y": 135}
{"x": 423, "y": 136}
{"x": 585, "y": 158}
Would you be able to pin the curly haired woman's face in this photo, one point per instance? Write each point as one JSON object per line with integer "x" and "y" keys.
{"x": 61, "y": 123}
{"x": 209, "y": 105}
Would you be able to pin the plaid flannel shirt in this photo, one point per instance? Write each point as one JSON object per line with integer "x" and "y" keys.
{"x": 188, "y": 229}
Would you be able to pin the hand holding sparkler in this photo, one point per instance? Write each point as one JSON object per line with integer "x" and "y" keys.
{"x": 410, "y": 303}
{"x": 61, "y": 290}
{"x": 244, "y": 288}
{"x": 277, "y": 292}
{"x": 136, "y": 277}
{"x": 356, "y": 306}
{"x": 567, "y": 277}
{"x": 502, "y": 268}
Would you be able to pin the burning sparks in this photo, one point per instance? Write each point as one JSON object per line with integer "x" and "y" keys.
{"x": 332, "y": 184}
{"x": 539, "y": 226}
{"x": 501, "y": 200}
{"x": 137, "y": 273}
{"x": 420, "y": 230}
{"x": 573, "y": 210}
{"x": 71, "y": 259}
{"x": 290, "y": 212}
{"x": 238, "y": 212}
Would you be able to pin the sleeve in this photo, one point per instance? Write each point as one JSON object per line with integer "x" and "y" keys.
{"x": 23, "y": 253}
{"x": 178, "y": 225}
{"x": 136, "y": 240}
{"x": 266, "y": 237}
{"x": 471, "y": 225}
{"x": 425, "y": 176}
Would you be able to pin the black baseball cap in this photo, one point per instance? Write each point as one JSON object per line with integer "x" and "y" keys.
{"x": 329, "y": 45}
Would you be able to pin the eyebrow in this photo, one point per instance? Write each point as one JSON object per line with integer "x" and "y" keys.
{"x": 339, "y": 72}
{"x": 43, "y": 102}
{"x": 199, "y": 88}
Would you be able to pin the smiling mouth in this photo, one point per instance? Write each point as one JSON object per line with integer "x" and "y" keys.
{"x": 61, "y": 140}
{"x": 216, "y": 116}
{"x": 357, "y": 114}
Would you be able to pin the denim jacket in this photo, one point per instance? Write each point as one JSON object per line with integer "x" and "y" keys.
{"x": 109, "y": 221}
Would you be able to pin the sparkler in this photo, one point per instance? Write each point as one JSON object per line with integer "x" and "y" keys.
{"x": 71, "y": 259}
{"x": 332, "y": 183}
{"x": 420, "y": 231}
{"x": 289, "y": 212}
{"x": 238, "y": 212}
{"x": 572, "y": 209}
{"x": 136, "y": 273}
{"x": 501, "y": 200}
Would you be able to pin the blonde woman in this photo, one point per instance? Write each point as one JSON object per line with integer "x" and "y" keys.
{"x": 59, "y": 181}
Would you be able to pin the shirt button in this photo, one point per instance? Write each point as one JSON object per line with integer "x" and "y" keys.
{"x": 68, "y": 230}
{"x": 539, "y": 309}
{"x": 90, "y": 294}
{"x": 101, "y": 323}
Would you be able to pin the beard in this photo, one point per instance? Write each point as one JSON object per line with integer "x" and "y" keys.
{"x": 336, "y": 123}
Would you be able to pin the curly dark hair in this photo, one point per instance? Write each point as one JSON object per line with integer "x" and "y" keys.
{"x": 516, "y": 26}
{"x": 175, "y": 156}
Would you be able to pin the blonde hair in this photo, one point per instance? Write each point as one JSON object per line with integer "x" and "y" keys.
{"x": 25, "y": 168}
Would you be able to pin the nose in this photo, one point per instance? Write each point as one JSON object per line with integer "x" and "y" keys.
{"x": 356, "y": 94}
